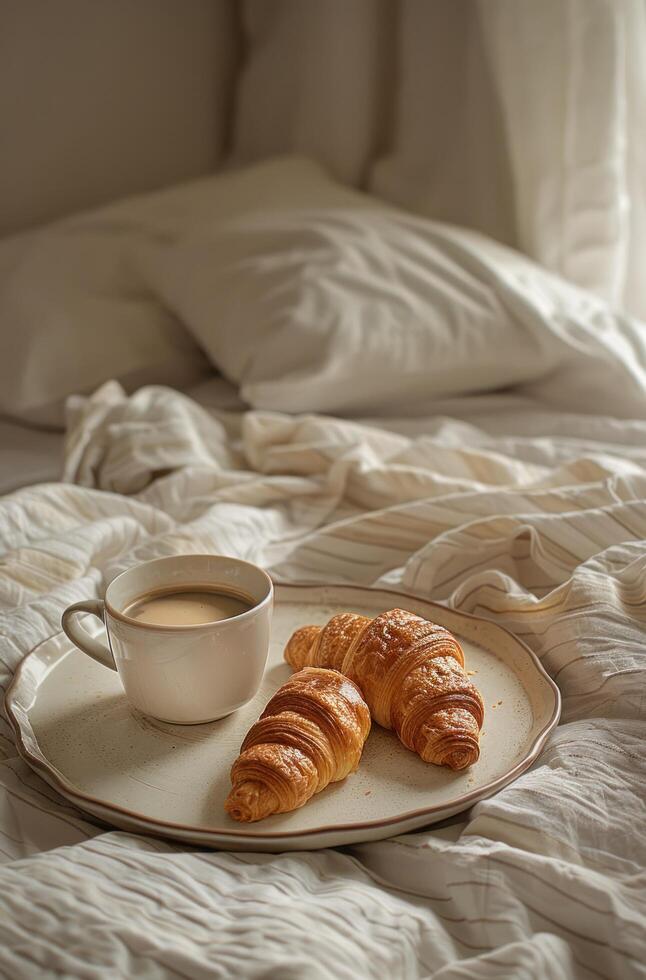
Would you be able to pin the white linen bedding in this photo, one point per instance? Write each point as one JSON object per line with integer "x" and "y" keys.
{"x": 506, "y": 509}
{"x": 30, "y": 454}
{"x": 501, "y": 505}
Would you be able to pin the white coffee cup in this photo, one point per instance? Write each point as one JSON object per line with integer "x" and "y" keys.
{"x": 185, "y": 675}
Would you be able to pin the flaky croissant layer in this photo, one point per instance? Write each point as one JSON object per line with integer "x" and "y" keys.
{"x": 411, "y": 674}
{"x": 311, "y": 733}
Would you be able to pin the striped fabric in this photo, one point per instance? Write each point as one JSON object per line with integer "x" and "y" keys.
{"x": 535, "y": 519}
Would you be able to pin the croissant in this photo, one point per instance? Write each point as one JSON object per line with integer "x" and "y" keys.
{"x": 411, "y": 673}
{"x": 310, "y": 734}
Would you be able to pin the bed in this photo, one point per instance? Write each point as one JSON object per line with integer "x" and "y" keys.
{"x": 343, "y": 392}
{"x": 545, "y": 878}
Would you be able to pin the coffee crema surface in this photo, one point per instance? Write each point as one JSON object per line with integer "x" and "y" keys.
{"x": 186, "y": 607}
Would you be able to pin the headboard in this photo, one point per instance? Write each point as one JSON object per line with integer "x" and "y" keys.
{"x": 101, "y": 98}
{"x": 455, "y": 111}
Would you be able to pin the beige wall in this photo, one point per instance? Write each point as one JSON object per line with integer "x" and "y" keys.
{"x": 101, "y": 98}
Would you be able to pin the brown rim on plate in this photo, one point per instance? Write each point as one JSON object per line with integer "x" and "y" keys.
{"x": 58, "y": 781}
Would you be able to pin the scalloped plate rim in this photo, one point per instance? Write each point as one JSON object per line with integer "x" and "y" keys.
{"x": 354, "y": 832}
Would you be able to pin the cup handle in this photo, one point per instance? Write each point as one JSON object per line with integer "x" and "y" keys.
{"x": 94, "y": 648}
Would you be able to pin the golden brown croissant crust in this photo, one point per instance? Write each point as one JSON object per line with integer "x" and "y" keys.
{"x": 310, "y": 734}
{"x": 411, "y": 673}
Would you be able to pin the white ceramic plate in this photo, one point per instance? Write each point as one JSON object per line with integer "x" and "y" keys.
{"x": 74, "y": 726}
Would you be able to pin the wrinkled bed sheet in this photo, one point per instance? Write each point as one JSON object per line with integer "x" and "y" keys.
{"x": 30, "y": 453}
{"x": 497, "y": 507}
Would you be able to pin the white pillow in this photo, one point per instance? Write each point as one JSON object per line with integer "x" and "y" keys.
{"x": 72, "y": 315}
{"x": 75, "y": 310}
{"x": 366, "y": 310}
